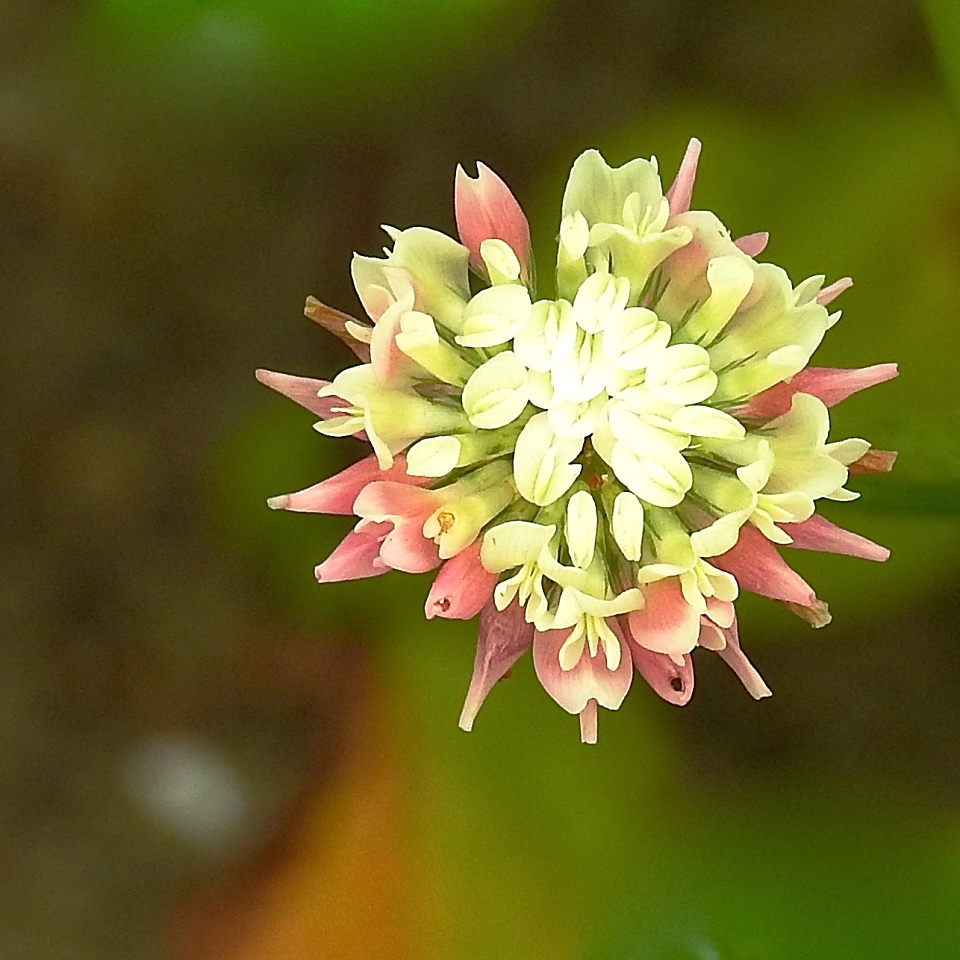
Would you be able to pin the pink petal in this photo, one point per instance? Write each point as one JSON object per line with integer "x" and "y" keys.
{"x": 503, "y": 637}
{"x": 486, "y": 209}
{"x": 462, "y": 587}
{"x": 357, "y": 556}
{"x": 335, "y": 322}
{"x": 672, "y": 682}
{"x": 338, "y": 493}
{"x": 407, "y": 549}
{"x": 302, "y": 390}
{"x": 737, "y": 661}
{"x": 667, "y": 623}
{"x": 818, "y": 533}
{"x": 388, "y": 498}
{"x": 830, "y": 293}
{"x": 681, "y": 190}
{"x": 758, "y": 567}
{"x": 874, "y": 461}
{"x": 408, "y": 507}
{"x": 589, "y": 679}
{"x": 826, "y": 383}
{"x": 753, "y": 244}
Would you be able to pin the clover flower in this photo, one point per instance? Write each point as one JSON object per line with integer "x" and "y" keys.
{"x": 597, "y": 474}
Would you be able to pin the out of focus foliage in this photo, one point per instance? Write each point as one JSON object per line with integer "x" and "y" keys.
{"x": 285, "y": 54}
{"x": 944, "y": 19}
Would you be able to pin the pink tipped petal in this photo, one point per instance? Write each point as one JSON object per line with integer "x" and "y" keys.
{"x": 462, "y": 588}
{"x": 830, "y": 293}
{"x": 669, "y": 680}
{"x": 588, "y": 722}
{"x": 335, "y": 322}
{"x": 757, "y": 567}
{"x": 503, "y": 637}
{"x": 753, "y": 244}
{"x": 737, "y": 661}
{"x": 818, "y": 533}
{"x": 874, "y": 461}
{"x": 825, "y": 383}
{"x": 681, "y": 190}
{"x": 337, "y": 494}
{"x": 407, "y": 549}
{"x": 486, "y": 209}
{"x": 301, "y": 390}
{"x": 388, "y": 498}
{"x": 589, "y": 679}
{"x": 666, "y": 623}
{"x": 357, "y": 556}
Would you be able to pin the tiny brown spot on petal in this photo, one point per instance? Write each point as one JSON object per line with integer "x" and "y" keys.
{"x": 446, "y": 520}
{"x": 677, "y": 684}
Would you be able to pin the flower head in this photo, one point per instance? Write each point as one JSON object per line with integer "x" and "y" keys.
{"x": 596, "y": 474}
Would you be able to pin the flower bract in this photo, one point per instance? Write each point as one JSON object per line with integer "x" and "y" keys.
{"x": 597, "y": 473}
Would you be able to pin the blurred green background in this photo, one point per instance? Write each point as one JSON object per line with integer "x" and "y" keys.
{"x": 206, "y": 755}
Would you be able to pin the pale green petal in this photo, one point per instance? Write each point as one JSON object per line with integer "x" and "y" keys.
{"x": 681, "y": 374}
{"x": 627, "y": 523}
{"x": 514, "y": 543}
{"x": 581, "y": 528}
{"x": 548, "y": 324}
{"x": 542, "y": 462}
{"x": 494, "y": 316}
{"x": 500, "y": 260}
{"x": 433, "y": 457}
{"x": 662, "y": 482}
{"x": 708, "y": 422}
{"x": 419, "y": 340}
{"x": 599, "y": 191}
{"x": 496, "y": 393}
{"x": 632, "y": 337}
{"x": 730, "y": 279}
{"x": 437, "y": 265}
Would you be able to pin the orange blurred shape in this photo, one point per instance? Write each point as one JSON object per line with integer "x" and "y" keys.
{"x": 331, "y": 885}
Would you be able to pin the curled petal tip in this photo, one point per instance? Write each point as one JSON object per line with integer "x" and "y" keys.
{"x": 816, "y": 613}
{"x": 588, "y": 722}
{"x": 278, "y": 503}
{"x": 468, "y": 715}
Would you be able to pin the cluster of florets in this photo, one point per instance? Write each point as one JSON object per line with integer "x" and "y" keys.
{"x": 599, "y": 473}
